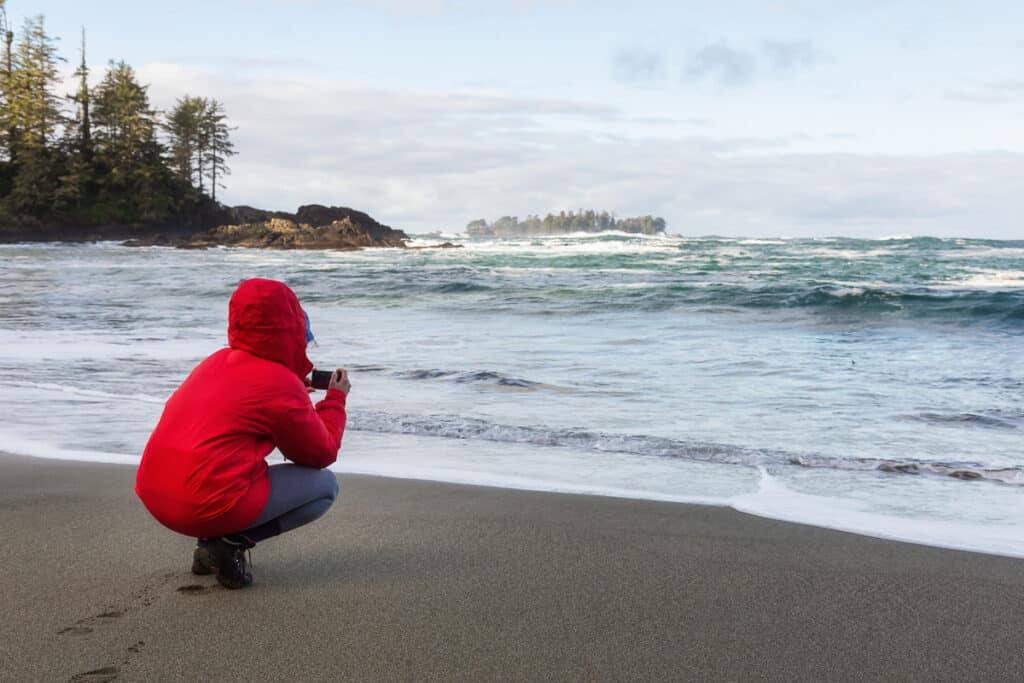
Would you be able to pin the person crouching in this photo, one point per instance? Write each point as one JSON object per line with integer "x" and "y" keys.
{"x": 204, "y": 472}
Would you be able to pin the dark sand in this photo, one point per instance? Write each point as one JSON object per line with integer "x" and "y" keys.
{"x": 407, "y": 580}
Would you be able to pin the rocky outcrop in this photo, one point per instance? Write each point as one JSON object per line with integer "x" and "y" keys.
{"x": 312, "y": 227}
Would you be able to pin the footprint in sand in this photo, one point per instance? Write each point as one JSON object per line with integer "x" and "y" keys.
{"x": 144, "y": 597}
{"x": 74, "y": 631}
{"x": 107, "y": 673}
{"x": 84, "y": 626}
{"x": 193, "y": 589}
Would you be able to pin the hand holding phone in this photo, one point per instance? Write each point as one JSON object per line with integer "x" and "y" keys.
{"x": 340, "y": 381}
{"x": 324, "y": 379}
{"x": 321, "y": 379}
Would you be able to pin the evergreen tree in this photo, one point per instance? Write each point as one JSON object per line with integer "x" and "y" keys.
{"x": 103, "y": 164}
{"x": 32, "y": 108}
{"x": 81, "y": 98}
{"x": 76, "y": 182}
{"x": 184, "y": 127}
{"x": 584, "y": 221}
{"x": 32, "y": 116}
{"x": 200, "y": 142}
{"x": 217, "y": 139}
{"x": 6, "y": 82}
{"x": 136, "y": 183}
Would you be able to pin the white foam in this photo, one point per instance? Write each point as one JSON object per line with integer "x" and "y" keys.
{"x": 88, "y": 393}
{"x": 522, "y": 467}
{"x": 12, "y": 443}
{"x": 774, "y": 501}
{"x": 576, "y": 243}
{"x": 991, "y": 278}
{"x": 44, "y": 346}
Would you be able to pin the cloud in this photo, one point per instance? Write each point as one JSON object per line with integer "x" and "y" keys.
{"x": 421, "y": 160}
{"x": 787, "y": 56}
{"x": 724, "y": 65}
{"x": 998, "y": 92}
{"x": 721, "y": 64}
{"x": 638, "y": 66}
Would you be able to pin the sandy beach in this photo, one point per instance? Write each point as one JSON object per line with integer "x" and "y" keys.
{"x": 411, "y": 580}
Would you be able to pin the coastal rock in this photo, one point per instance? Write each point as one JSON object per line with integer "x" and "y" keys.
{"x": 311, "y": 227}
{"x": 443, "y": 245}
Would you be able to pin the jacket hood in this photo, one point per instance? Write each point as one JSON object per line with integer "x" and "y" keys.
{"x": 265, "y": 319}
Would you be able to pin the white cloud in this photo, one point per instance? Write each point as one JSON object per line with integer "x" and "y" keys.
{"x": 999, "y": 92}
{"x": 638, "y": 66}
{"x": 725, "y": 65}
{"x": 427, "y": 160}
{"x": 722, "y": 64}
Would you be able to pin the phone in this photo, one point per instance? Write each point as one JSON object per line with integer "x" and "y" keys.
{"x": 321, "y": 379}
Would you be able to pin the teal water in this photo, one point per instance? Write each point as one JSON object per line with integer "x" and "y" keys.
{"x": 865, "y": 384}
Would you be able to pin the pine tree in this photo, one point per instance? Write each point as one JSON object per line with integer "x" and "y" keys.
{"x": 137, "y": 183}
{"x": 77, "y": 180}
{"x": 6, "y": 82}
{"x": 183, "y": 126}
{"x": 81, "y": 98}
{"x": 33, "y": 109}
{"x": 217, "y": 135}
{"x": 200, "y": 142}
{"x": 33, "y": 116}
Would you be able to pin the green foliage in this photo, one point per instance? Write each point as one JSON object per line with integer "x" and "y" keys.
{"x": 94, "y": 158}
{"x": 183, "y": 127}
{"x": 584, "y": 221}
{"x": 200, "y": 142}
{"x": 32, "y": 112}
{"x": 35, "y": 184}
{"x": 217, "y": 137}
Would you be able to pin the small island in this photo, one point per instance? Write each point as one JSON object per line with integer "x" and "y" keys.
{"x": 104, "y": 164}
{"x": 311, "y": 227}
{"x": 564, "y": 223}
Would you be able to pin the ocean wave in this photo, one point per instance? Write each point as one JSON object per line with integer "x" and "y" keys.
{"x": 461, "y": 288}
{"x": 459, "y": 427}
{"x": 90, "y": 393}
{"x": 1004, "y": 307}
{"x": 483, "y": 377}
{"x": 594, "y": 285}
{"x": 974, "y": 419}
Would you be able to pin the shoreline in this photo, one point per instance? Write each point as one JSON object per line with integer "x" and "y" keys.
{"x": 791, "y": 507}
{"x": 406, "y": 579}
{"x": 868, "y": 525}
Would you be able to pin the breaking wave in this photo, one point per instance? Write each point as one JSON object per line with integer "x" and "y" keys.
{"x": 457, "y": 427}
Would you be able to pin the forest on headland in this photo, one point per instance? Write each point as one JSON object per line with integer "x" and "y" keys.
{"x": 559, "y": 224}
{"x": 101, "y": 155}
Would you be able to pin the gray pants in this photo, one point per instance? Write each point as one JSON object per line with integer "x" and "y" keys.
{"x": 298, "y": 495}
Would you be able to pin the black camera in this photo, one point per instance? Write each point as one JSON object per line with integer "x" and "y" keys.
{"x": 321, "y": 379}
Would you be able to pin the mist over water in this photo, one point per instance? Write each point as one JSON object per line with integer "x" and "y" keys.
{"x": 872, "y": 385}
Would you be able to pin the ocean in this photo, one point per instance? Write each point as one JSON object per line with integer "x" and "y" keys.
{"x": 873, "y": 386}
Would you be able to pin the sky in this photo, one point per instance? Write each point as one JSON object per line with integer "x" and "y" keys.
{"x": 783, "y": 118}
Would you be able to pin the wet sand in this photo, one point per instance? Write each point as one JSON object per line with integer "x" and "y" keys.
{"x": 409, "y": 580}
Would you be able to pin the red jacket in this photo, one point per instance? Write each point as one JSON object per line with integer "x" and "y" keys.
{"x": 203, "y": 472}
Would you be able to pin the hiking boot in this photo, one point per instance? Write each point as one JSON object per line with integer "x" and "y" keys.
{"x": 227, "y": 558}
{"x": 201, "y": 558}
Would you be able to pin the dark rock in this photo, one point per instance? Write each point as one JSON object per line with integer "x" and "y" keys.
{"x": 905, "y": 468}
{"x": 312, "y": 227}
{"x": 443, "y": 245}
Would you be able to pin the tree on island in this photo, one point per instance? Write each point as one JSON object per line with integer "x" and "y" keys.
{"x": 200, "y": 142}
{"x": 32, "y": 115}
{"x": 584, "y": 221}
{"x": 101, "y": 156}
